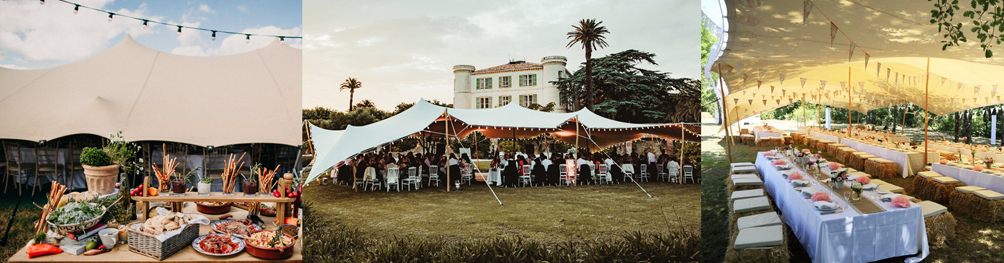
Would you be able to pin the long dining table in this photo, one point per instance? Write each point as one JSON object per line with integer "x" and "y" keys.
{"x": 910, "y": 161}
{"x": 875, "y": 231}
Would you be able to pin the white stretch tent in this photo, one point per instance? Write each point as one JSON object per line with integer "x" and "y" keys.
{"x": 510, "y": 121}
{"x": 253, "y": 97}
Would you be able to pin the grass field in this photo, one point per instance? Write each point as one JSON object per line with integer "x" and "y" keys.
{"x": 975, "y": 241}
{"x": 549, "y": 215}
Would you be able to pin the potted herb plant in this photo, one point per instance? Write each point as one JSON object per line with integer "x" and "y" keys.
{"x": 180, "y": 184}
{"x": 98, "y": 170}
{"x": 205, "y": 185}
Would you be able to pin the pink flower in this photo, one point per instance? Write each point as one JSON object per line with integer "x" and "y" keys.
{"x": 769, "y": 154}
{"x": 820, "y": 196}
{"x": 778, "y": 162}
{"x": 863, "y": 180}
{"x": 818, "y": 156}
{"x": 978, "y": 168}
{"x": 795, "y": 176}
{"x": 833, "y": 166}
{"x": 806, "y": 151}
{"x": 901, "y": 201}
{"x": 943, "y": 161}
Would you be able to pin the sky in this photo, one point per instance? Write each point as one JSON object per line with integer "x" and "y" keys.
{"x": 405, "y": 50}
{"x": 34, "y": 36}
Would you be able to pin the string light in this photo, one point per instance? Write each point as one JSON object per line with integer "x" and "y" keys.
{"x": 42, "y": 2}
{"x": 111, "y": 15}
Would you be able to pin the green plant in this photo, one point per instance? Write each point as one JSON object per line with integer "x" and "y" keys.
{"x": 119, "y": 152}
{"x": 94, "y": 157}
{"x": 251, "y": 177}
{"x": 510, "y": 147}
{"x": 188, "y": 177}
{"x": 206, "y": 180}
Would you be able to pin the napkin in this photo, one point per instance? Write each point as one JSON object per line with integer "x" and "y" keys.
{"x": 824, "y": 205}
{"x": 869, "y": 186}
{"x": 799, "y": 182}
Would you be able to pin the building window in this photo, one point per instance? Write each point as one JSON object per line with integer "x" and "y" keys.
{"x": 505, "y": 82}
{"x": 484, "y": 102}
{"x": 528, "y": 80}
{"x": 484, "y": 83}
{"x": 527, "y": 100}
{"x": 504, "y": 100}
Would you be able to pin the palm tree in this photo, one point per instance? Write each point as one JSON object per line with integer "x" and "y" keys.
{"x": 365, "y": 103}
{"x": 590, "y": 34}
{"x": 351, "y": 84}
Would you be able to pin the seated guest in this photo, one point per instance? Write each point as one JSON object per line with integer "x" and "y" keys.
{"x": 553, "y": 170}
{"x": 672, "y": 167}
{"x": 585, "y": 174}
{"x": 510, "y": 175}
{"x": 454, "y": 165}
{"x": 539, "y": 171}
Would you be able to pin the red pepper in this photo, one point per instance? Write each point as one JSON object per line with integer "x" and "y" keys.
{"x": 43, "y": 249}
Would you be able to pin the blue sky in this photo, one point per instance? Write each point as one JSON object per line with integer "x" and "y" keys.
{"x": 40, "y": 36}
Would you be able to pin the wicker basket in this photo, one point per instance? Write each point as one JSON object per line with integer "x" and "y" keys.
{"x": 148, "y": 245}
{"x": 79, "y": 227}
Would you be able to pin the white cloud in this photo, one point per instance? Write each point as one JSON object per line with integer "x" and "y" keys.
{"x": 46, "y": 33}
{"x": 243, "y": 9}
{"x": 205, "y": 9}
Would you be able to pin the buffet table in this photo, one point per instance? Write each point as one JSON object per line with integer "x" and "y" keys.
{"x": 121, "y": 253}
{"x": 970, "y": 177}
{"x": 848, "y": 236}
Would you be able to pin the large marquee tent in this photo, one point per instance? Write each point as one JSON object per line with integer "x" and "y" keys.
{"x": 252, "y": 97}
{"x": 859, "y": 55}
{"x": 510, "y": 121}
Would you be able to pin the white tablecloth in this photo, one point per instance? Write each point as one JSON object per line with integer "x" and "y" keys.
{"x": 909, "y": 161}
{"x": 848, "y": 236}
{"x": 759, "y": 134}
{"x": 970, "y": 177}
{"x": 494, "y": 177}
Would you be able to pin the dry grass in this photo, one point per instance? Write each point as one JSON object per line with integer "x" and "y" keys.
{"x": 549, "y": 215}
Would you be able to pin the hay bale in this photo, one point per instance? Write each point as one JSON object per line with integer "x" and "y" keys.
{"x": 940, "y": 228}
{"x": 776, "y": 254}
{"x": 976, "y": 207}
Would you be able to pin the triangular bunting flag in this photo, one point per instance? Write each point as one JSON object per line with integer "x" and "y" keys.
{"x": 851, "y": 54}
{"x": 784, "y": 92}
{"x": 943, "y": 79}
{"x": 745, "y": 77}
{"x": 833, "y": 33}
{"x": 878, "y": 69}
{"x": 867, "y": 56}
{"x": 736, "y": 101}
{"x": 888, "y": 73}
{"x": 772, "y": 89}
{"x": 862, "y": 85}
{"x": 778, "y": 101}
{"x": 976, "y": 89}
{"x": 993, "y": 91}
{"x": 764, "y": 102}
{"x": 822, "y": 84}
{"x": 806, "y": 9}
{"x": 843, "y": 85}
{"x": 758, "y": 82}
{"x": 803, "y": 81}
{"x": 751, "y": 102}
{"x": 760, "y": 76}
{"x": 897, "y": 78}
{"x": 960, "y": 86}
{"x": 782, "y": 78}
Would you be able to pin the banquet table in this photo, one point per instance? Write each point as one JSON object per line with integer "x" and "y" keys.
{"x": 911, "y": 162}
{"x": 759, "y": 133}
{"x": 970, "y": 177}
{"x": 849, "y": 236}
{"x": 494, "y": 176}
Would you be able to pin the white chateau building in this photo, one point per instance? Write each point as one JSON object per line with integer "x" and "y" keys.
{"x": 519, "y": 81}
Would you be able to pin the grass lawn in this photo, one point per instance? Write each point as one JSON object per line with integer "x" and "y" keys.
{"x": 548, "y": 215}
{"x": 975, "y": 241}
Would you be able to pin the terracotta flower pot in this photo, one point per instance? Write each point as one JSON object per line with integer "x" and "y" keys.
{"x": 101, "y": 179}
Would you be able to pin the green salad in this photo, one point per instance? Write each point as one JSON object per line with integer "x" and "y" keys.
{"x": 75, "y": 212}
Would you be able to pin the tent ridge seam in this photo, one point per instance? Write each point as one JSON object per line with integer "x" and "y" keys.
{"x": 142, "y": 89}
{"x": 29, "y": 84}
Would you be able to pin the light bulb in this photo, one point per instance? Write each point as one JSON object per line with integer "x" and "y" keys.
{"x": 248, "y": 39}
{"x": 214, "y": 35}
{"x": 144, "y": 23}
{"x": 76, "y": 9}
{"x": 110, "y": 15}
{"x": 42, "y": 2}
{"x": 179, "y": 30}
{"x": 282, "y": 40}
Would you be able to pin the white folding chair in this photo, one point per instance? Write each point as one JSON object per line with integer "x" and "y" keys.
{"x": 688, "y": 173}
{"x": 393, "y": 175}
{"x": 562, "y": 173}
{"x": 628, "y": 170}
{"x": 673, "y": 174}
{"x": 662, "y": 175}
{"x": 434, "y": 174}
{"x": 418, "y": 178}
{"x": 370, "y": 178}
{"x": 467, "y": 175}
{"x": 601, "y": 174}
{"x": 525, "y": 178}
{"x": 411, "y": 179}
{"x": 643, "y": 175}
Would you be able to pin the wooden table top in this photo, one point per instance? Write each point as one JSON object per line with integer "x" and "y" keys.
{"x": 213, "y": 197}
{"x": 121, "y": 253}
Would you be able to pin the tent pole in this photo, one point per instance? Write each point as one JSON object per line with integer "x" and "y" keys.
{"x": 927, "y": 78}
{"x": 682, "y": 143}
{"x": 803, "y": 113}
{"x": 903, "y": 127}
{"x": 850, "y": 111}
{"x": 728, "y": 143}
{"x": 819, "y": 97}
{"x": 575, "y": 182}
{"x": 447, "y": 148}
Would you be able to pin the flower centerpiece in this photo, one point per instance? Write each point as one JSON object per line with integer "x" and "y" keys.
{"x": 988, "y": 162}
{"x": 856, "y": 187}
{"x": 838, "y": 178}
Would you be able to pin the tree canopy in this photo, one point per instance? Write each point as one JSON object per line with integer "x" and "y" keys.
{"x": 625, "y": 92}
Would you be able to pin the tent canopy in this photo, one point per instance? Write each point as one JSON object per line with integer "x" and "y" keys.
{"x": 510, "y": 121}
{"x": 253, "y": 97}
{"x": 773, "y": 60}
